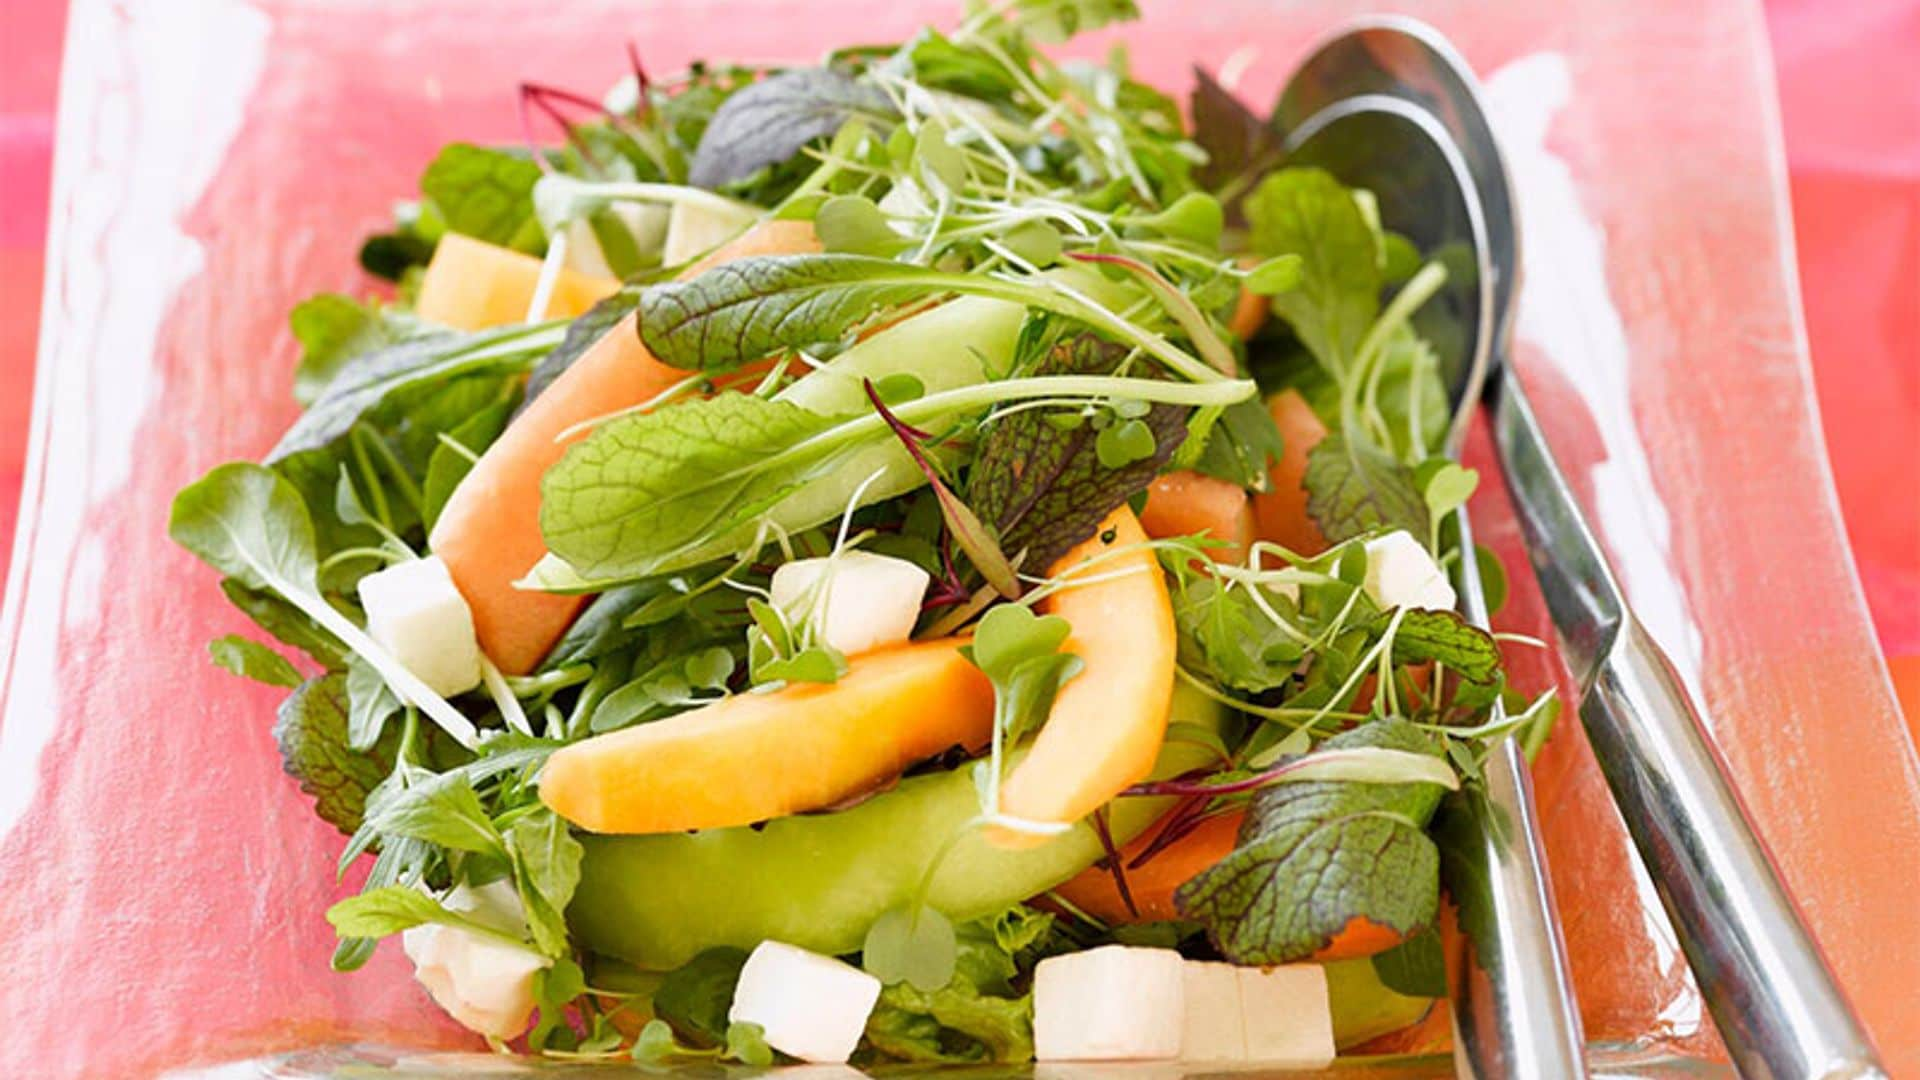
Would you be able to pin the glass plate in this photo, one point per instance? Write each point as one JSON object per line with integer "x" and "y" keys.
{"x": 219, "y": 160}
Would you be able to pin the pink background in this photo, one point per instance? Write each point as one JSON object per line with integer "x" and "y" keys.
{"x": 1854, "y": 145}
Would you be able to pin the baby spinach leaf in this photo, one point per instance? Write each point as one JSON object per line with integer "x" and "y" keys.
{"x": 1306, "y": 212}
{"x": 1315, "y": 855}
{"x": 646, "y": 486}
{"x": 695, "y": 996}
{"x": 1354, "y": 488}
{"x": 769, "y": 121}
{"x": 1044, "y": 488}
{"x": 311, "y": 731}
{"x": 333, "y": 329}
{"x": 250, "y": 659}
{"x": 485, "y": 193}
{"x": 426, "y": 363}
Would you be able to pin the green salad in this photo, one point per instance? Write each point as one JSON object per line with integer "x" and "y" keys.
{"x": 942, "y": 555}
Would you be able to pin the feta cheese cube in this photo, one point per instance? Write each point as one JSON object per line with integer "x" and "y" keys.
{"x": 855, "y": 601}
{"x": 484, "y": 983}
{"x": 810, "y": 1006}
{"x": 645, "y": 222}
{"x": 1288, "y": 1021}
{"x": 1114, "y": 1003}
{"x": 1400, "y": 573}
{"x": 1214, "y": 1029}
{"x": 697, "y": 227}
{"x": 415, "y": 613}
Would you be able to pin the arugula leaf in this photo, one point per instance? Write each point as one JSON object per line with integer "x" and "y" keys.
{"x": 333, "y": 329}
{"x": 1223, "y": 631}
{"x": 448, "y": 466}
{"x": 1238, "y": 143}
{"x": 769, "y": 121}
{"x": 438, "y": 808}
{"x": 390, "y": 909}
{"x": 311, "y": 731}
{"x": 250, "y": 659}
{"x": 1355, "y": 488}
{"x": 427, "y": 362}
{"x": 1044, "y": 488}
{"x": 546, "y": 870}
{"x": 1306, "y": 212}
{"x": 582, "y": 333}
{"x": 486, "y": 194}
{"x": 695, "y": 996}
{"x": 286, "y": 623}
{"x": 1315, "y": 855}
{"x": 1443, "y": 636}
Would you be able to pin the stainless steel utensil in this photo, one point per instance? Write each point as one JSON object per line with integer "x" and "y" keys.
{"x": 1514, "y": 1009}
{"x": 1775, "y": 1001}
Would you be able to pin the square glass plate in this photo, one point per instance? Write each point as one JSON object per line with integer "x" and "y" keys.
{"x": 218, "y": 160}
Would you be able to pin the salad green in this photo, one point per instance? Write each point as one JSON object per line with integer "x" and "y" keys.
{"x": 1013, "y": 322}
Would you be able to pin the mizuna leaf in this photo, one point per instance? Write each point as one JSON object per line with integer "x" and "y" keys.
{"x": 1042, "y": 487}
{"x": 1315, "y": 855}
{"x": 1354, "y": 488}
{"x": 770, "y": 121}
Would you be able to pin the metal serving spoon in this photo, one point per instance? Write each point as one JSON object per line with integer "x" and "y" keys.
{"x": 1514, "y": 1011}
{"x": 1775, "y": 1001}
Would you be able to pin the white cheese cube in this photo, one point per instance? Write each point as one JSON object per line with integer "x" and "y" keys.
{"x": 1400, "y": 573}
{"x": 1288, "y": 1020}
{"x": 1114, "y": 1003}
{"x": 415, "y": 613}
{"x": 697, "y": 227}
{"x": 855, "y": 601}
{"x": 484, "y": 983}
{"x": 645, "y": 222}
{"x": 1214, "y": 1029}
{"x": 810, "y": 1006}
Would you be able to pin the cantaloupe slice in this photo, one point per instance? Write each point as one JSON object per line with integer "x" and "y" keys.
{"x": 489, "y": 532}
{"x": 753, "y": 757}
{"x": 1152, "y": 884}
{"x": 1108, "y": 721}
{"x": 1280, "y": 514}
{"x": 471, "y": 285}
{"x": 1194, "y": 504}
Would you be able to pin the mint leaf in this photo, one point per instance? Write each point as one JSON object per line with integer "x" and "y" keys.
{"x": 643, "y": 487}
{"x": 770, "y": 121}
{"x": 1043, "y": 487}
{"x": 1306, "y": 212}
{"x": 333, "y": 329}
{"x": 438, "y": 808}
{"x": 310, "y": 728}
{"x": 1445, "y": 637}
{"x": 252, "y": 660}
{"x": 1315, "y": 855}
{"x": 912, "y": 945}
{"x": 486, "y": 194}
{"x": 1355, "y": 488}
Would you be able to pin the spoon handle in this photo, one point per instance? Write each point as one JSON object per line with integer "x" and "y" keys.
{"x": 1777, "y": 1004}
{"x": 1514, "y": 1011}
